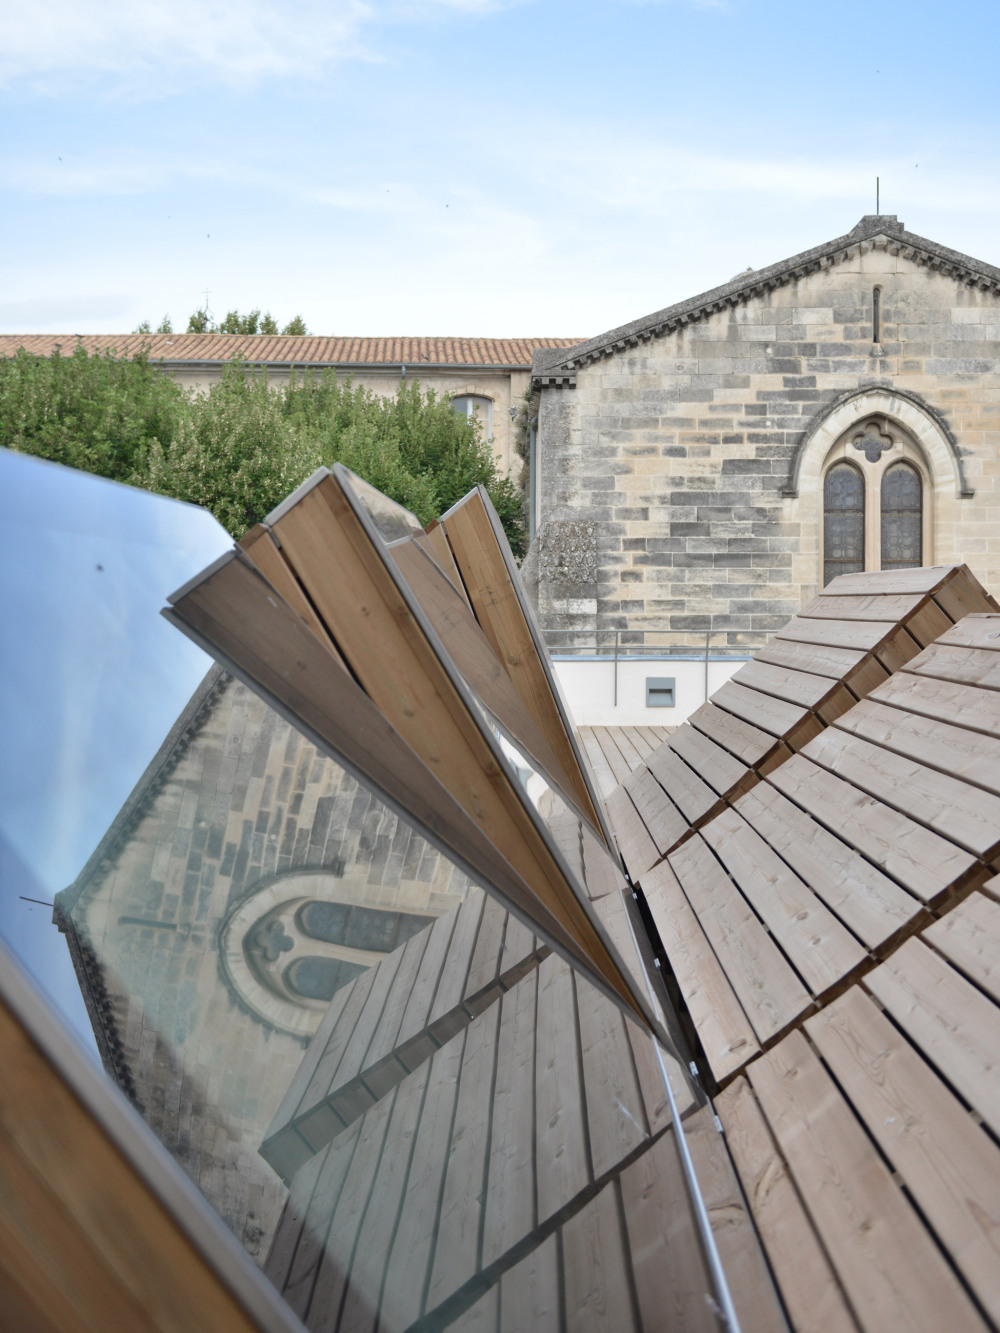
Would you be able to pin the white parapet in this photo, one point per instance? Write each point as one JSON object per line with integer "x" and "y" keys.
{"x": 601, "y": 692}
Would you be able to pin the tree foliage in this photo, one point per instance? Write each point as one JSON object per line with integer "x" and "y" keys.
{"x": 240, "y": 448}
{"x": 253, "y": 322}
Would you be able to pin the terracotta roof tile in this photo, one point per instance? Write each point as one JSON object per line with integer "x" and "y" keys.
{"x": 515, "y": 353}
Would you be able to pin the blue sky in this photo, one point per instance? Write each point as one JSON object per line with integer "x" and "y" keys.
{"x": 469, "y": 166}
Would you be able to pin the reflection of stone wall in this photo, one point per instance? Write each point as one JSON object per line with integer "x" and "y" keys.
{"x": 237, "y": 809}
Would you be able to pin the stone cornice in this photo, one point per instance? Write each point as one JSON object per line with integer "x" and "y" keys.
{"x": 556, "y": 368}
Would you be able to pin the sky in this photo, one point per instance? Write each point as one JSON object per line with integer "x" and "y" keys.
{"x": 469, "y": 167}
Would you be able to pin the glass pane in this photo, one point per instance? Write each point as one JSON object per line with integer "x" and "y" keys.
{"x": 902, "y": 518}
{"x": 843, "y": 522}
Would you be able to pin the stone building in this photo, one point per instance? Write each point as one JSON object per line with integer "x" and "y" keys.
{"x": 245, "y": 880}
{"x": 709, "y": 466}
{"x": 486, "y": 376}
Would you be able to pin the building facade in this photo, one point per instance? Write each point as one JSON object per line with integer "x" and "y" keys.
{"x": 705, "y": 469}
{"x": 486, "y": 377}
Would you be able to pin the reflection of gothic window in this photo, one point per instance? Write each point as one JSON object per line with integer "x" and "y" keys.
{"x": 358, "y": 927}
{"x": 875, "y": 502}
{"x": 320, "y": 978}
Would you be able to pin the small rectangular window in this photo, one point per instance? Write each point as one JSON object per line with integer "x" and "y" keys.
{"x": 660, "y": 691}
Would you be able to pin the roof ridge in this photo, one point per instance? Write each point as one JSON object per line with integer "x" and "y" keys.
{"x": 556, "y": 368}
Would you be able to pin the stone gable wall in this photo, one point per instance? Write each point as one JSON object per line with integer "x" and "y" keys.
{"x": 674, "y": 455}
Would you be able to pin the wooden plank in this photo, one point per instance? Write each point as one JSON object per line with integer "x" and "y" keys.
{"x": 368, "y": 616}
{"x": 927, "y": 624}
{"x": 87, "y": 1243}
{"x": 263, "y": 551}
{"x": 498, "y": 605}
{"x": 638, "y": 850}
{"x": 672, "y": 1284}
{"x": 723, "y": 1028}
{"x": 643, "y": 745}
{"x": 947, "y": 1162}
{"x": 486, "y": 956}
{"x": 821, "y": 949}
{"x": 694, "y": 798}
{"x": 560, "y": 1145}
{"x": 663, "y": 821}
{"x": 616, "y": 1123}
{"x": 344, "y": 1089}
{"x": 968, "y": 755}
{"x": 416, "y": 1019}
{"x": 518, "y": 943}
{"x": 866, "y": 635}
{"x": 456, "y": 1250}
{"x": 452, "y": 986}
{"x": 349, "y": 1213}
{"x": 969, "y": 937}
{"x": 605, "y": 777}
{"x": 595, "y": 1269}
{"x": 368, "y": 1268}
{"x": 722, "y": 771}
{"x": 471, "y": 652}
{"x": 438, "y": 539}
{"x": 742, "y": 739}
{"x": 808, "y": 690}
{"x": 483, "y": 1317}
{"x": 784, "y": 721}
{"x": 893, "y": 582}
{"x": 771, "y": 994}
{"x": 750, "y": 1284}
{"x": 874, "y": 907}
{"x": 964, "y": 666}
{"x": 379, "y": 1080}
{"x": 961, "y": 705}
{"x": 891, "y": 1270}
{"x": 963, "y": 595}
{"x": 529, "y": 1292}
{"x": 815, "y": 659}
{"x": 629, "y": 753}
{"x": 509, "y": 1209}
{"x": 911, "y": 854}
{"x": 334, "y": 1164}
{"x": 316, "y": 1120}
{"x": 897, "y": 650}
{"x": 808, "y": 1285}
{"x": 409, "y": 1260}
{"x": 865, "y": 606}
{"x": 618, "y": 765}
{"x": 962, "y": 813}
{"x": 976, "y": 631}
{"x": 951, "y": 1022}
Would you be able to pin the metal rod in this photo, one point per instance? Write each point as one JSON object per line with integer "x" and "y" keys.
{"x": 708, "y": 635}
{"x": 616, "y": 668}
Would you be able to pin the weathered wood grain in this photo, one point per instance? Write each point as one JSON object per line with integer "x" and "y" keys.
{"x": 864, "y": 634}
{"x": 969, "y": 937}
{"x": 964, "y": 706}
{"x": 874, "y": 907}
{"x": 637, "y": 848}
{"x": 916, "y": 857}
{"x": 947, "y": 1162}
{"x": 529, "y": 1292}
{"x": 672, "y": 1283}
{"x": 562, "y": 1166}
{"x": 964, "y": 666}
{"x": 723, "y": 1028}
{"x": 825, "y": 696}
{"x": 510, "y": 1190}
{"x": 660, "y": 816}
{"x": 808, "y": 1285}
{"x": 822, "y": 950}
{"x": 694, "y": 798}
{"x": 742, "y": 739}
{"x": 947, "y": 1019}
{"x": 865, "y": 606}
{"x": 616, "y": 1121}
{"x": 597, "y": 1291}
{"x": 770, "y": 992}
{"x": 964, "y": 814}
{"x": 790, "y": 722}
{"x": 975, "y": 631}
{"x": 893, "y": 1273}
{"x": 721, "y": 770}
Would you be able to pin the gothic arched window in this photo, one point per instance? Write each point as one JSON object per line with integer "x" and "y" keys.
{"x": 902, "y": 517}
{"x": 843, "y": 521}
{"x": 875, "y": 501}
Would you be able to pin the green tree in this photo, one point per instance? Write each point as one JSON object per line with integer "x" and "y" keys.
{"x": 240, "y": 448}
{"x": 199, "y": 322}
{"x": 295, "y": 328}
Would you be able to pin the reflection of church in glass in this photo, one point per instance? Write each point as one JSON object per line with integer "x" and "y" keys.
{"x": 246, "y": 879}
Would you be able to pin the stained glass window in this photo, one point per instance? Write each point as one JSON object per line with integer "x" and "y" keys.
{"x": 843, "y": 522}
{"x": 902, "y": 517}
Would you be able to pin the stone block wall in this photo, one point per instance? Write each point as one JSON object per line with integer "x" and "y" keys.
{"x": 676, "y": 455}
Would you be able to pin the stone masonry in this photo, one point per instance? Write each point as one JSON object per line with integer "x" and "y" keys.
{"x": 689, "y": 447}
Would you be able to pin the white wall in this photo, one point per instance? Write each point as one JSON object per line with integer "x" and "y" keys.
{"x": 588, "y": 684}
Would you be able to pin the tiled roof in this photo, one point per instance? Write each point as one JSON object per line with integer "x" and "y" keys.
{"x": 515, "y": 353}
